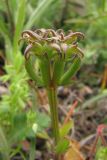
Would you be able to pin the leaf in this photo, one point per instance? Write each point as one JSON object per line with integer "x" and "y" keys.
{"x": 18, "y": 61}
{"x": 4, "y": 146}
{"x": 95, "y": 99}
{"x": 66, "y": 128}
{"x": 45, "y": 71}
{"x": 13, "y": 4}
{"x": 58, "y": 70}
{"x": 19, "y": 25}
{"x": 20, "y": 119}
{"x": 30, "y": 67}
{"x": 101, "y": 153}
{"x": 73, "y": 153}
{"x": 8, "y": 46}
{"x": 38, "y": 12}
{"x": 3, "y": 28}
{"x": 62, "y": 146}
{"x": 42, "y": 120}
{"x": 19, "y": 130}
{"x": 43, "y": 135}
{"x": 71, "y": 71}
{"x": 35, "y": 128}
{"x": 2, "y": 6}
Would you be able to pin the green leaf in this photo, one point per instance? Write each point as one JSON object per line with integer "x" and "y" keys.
{"x": 18, "y": 61}
{"x": 45, "y": 71}
{"x": 19, "y": 25}
{"x": 4, "y": 146}
{"x": 42, "y": 120}
{"x": 66, "y": 128}
{"x": 30, "y": 67}
{"x": 20, "y": 119}
{"x": 3, "y": 28}
{"x": 8, "y": 46}
{"x": 43, "y": 135}
{"x": 71, "y": 71}
{"x": 62, "y": 146}
{"x": 35, "y": 127}
{"x": 101, "y": 153}
{"x": 58, "y": 70}
{"x": 38, "y": 13}
{"x": 2, "y": 6}
{"x": 19, "y": 130}
{"x": 13, "y": 7}
{"x": 67, "y": 83}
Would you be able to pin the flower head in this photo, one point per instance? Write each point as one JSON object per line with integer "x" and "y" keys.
{"x": 52, "y": 44}
{"x": 52, "y": 49}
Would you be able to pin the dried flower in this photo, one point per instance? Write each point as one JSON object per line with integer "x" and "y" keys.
{"x": 52, "y": 44}
{"x": 52, "y": 49}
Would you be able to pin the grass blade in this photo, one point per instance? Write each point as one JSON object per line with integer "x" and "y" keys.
{"x": 39, "y": 11}
{"x": 8, "y": 45}
{"x": 19, "y": 25}
{"x": 4, "y": 147}
{"x": 95, "y": 99}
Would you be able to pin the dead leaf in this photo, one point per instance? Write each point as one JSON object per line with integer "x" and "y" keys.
{"x": 73, "y": 153}
{"x": 42, "y": 97}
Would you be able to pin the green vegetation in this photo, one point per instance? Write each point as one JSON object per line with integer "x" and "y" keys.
{"x": 21, "y": 119}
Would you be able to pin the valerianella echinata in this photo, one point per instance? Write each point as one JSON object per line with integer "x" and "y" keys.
{"x": 53, "y": 49}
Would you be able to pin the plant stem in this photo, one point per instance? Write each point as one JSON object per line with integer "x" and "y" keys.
{"x": 32, "y": 153}
{"x": 52, "y": 95}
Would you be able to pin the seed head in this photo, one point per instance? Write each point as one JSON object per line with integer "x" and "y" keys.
{"x": 52, "y": 44}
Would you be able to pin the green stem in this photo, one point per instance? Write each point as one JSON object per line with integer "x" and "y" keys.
{"x": 32, "y": 153}
{"x": 52, "y": 95}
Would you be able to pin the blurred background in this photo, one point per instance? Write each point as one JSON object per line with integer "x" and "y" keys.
{"x": 23, "y": 107}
